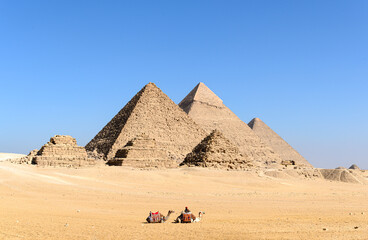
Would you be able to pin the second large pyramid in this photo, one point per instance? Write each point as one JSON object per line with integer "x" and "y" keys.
{"x": 209, "y": 112}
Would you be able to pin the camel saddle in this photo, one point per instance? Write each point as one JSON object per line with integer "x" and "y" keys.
{"x": 155, "y": 217}
{"x": 186, "y": 217}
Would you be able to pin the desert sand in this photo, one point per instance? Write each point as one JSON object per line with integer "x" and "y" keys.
{"x": 105, "y": 202}
{"x": 5, "y": 156}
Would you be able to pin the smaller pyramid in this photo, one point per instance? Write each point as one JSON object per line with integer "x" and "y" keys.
{"x": 354, "y": 166}
{"x": 63, "y": 151}
{"x": 142, "y": 152}
{"x": 279, "y": 145}
{"x": 217, "y": 151}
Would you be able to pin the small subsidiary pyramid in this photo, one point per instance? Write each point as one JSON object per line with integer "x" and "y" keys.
{"x": 354, "y": 166}
{"x": 278, "y": 144}
{"x": 217, "y": 151}
{"x": 209, "y": 112}
{"x": 153, "y": 113}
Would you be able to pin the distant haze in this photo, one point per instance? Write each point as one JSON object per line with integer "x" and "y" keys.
{"x": 68, "y": 67}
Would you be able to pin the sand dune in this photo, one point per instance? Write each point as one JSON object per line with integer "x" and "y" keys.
{"x": 112, "y": 203}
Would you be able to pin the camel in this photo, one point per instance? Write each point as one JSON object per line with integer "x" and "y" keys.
{"x": 191, "y": 218}
{"x": 200, "y": 215}
{"x": 158, "y": 217}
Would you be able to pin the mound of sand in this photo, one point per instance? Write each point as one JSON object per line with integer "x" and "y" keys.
{"x": 8, "y": 156}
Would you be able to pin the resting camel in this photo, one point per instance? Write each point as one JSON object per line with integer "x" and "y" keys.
{"x": 158, "y": 217}
{"x": 188, "y": 217}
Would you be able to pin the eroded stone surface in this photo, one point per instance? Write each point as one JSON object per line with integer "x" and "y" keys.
{"x": 142, "y": 152}
{"x": 62, "y": 151}
{"x": 218, "y": 152}
{"x": 151, "y": 112}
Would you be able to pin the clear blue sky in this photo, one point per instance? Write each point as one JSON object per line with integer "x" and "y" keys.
{"x": 67, "y": 67}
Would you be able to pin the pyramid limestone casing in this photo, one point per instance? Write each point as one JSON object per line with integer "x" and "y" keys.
{"x": 153, "y": 113}
{"x": 62, "y": 151}
{"x": 217, "y": 151}
{"x": 209, "y": 112}
{"x": 278, "y": 144}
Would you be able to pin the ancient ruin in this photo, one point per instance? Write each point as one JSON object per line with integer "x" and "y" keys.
{"x": 209, "y": 112}
{"x": 62, "y": 151}
{"x": 354, "y": 167}
{"x": 279, "y": 145}
{"x": 217, "y": 151}
{"x": 142, "y": 152}
{"x": 344, "y": 175}
{"x": 153, "y": 113}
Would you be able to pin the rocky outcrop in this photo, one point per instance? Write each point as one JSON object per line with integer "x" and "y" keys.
{"x": 142, "y": 152}
{"x": 218, "y": 152}
{"x": 62, "y": 151}
{"x": 153, "y": 113}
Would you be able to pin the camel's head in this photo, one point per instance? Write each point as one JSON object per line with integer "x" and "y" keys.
{"x": 201, "y": 213}
{"x": 171, "y": 211}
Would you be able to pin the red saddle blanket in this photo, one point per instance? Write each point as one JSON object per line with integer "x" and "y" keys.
{"x": 186, "y": 217}
{"x": 155, "y": 217}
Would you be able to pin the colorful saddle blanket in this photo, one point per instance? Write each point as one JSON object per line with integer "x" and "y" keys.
{"x": 155, "y": 217}
{"x": 186, "y": 217}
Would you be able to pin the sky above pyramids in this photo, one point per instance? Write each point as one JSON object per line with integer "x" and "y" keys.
{"x": 68, "y": 67}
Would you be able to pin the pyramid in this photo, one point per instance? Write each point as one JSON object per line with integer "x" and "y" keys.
{"x": 279, "y": 145}
{"x": 209, "y": 112}
{"x": 354, "y": 167}
{"x": 217, "y": 151}
{"x": 142, "y": 152}
{"x": 61, "y": 150}
{"x": 153, "y": 113}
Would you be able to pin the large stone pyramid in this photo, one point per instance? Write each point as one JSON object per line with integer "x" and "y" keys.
{"x": 217, "y": 151}
{"x": 272, "y": 139}
{"x": 153, "y": 113}
{"x": 209, "y": 112}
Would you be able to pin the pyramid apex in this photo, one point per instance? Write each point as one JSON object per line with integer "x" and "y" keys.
{"x": 150, "y": 84}
{"x": 254, "y": 121}
{"x": 201, "y": 93}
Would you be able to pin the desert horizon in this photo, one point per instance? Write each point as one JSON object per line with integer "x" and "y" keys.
{"x": 183, "y": 120}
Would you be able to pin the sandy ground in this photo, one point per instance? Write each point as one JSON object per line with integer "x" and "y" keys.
{"x": 5, "y": 156}
{"x": 113, "y": 202}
